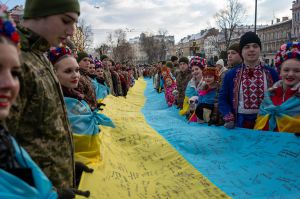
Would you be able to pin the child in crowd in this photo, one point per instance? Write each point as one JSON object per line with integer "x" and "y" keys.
{"x": 170, "y": 86}
{"x": 280, "y": 109}
{"x": 207, "y": 95}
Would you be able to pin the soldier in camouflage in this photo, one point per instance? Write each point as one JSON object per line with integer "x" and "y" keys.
{"x": 39, "y": 119}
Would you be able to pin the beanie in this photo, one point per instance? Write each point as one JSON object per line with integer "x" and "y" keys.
{"x": 247, "y": 38}
{"x": 235, "y": 47}
{"x": 169, "y": 64}
{"x": 102, "y": 57}
{"x": 220, "y": 62}
{"x": 184, "y": 59}
{"x": 174, "y": 58}
{"x": 38, "y": 8}
{"x": 81, "y": 55}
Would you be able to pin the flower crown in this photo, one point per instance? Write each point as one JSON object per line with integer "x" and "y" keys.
{"x": 290, "y": 50}
{"x": 198, "y": 61}
{"x": 7, "y": 27}
{"x": 56, "y": 53}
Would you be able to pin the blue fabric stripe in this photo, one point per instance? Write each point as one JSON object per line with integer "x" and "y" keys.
{"x": 243, "y": 163}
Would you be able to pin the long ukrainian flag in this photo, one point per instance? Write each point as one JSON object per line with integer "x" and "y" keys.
{"x": 155, "y": 153}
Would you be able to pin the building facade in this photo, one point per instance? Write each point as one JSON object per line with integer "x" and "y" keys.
{"x": 273, "y": 36}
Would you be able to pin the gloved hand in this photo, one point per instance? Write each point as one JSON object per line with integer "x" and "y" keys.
{"x": 229, "y": 125}
{"x": 99, "y": 105}
{"x": 80, "y": 167}
{"x": 70, "y": 193}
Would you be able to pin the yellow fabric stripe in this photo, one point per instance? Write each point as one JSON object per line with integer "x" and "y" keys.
{"x": 137, "y": 162}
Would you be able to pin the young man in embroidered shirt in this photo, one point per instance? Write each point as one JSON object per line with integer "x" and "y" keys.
{"x": 244, "y": 86}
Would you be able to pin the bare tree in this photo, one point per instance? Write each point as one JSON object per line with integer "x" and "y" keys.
{"x": 229, "y": 18}
{"x": 155, "y": 46}
{"x": 83, "y": 36}
{"x": 117, "y": 42}
{"x": 102, "y": 49}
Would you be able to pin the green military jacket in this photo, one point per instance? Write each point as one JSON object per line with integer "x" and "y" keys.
{"x": 39, "y": 121}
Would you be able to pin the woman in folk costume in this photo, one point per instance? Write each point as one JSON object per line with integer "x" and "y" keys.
{"x": 84, "y": 121}
{"x": 102, "y": 88}
{"x": 207, "y": 95}
{"x": 197, "y": 65}
{"x": 20, "y": 177}
{"x": 244, "y": 86}
{"x": 280, "y": 109}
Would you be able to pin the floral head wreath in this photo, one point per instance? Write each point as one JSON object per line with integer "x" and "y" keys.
{"x": 55, "y": 54}
{"x": 198, "y": 61}
{"x": 8, "y": 27}
{"x": 290, "y": 50}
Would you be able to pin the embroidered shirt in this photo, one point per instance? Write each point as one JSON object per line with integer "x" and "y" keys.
{"x": 252, "y": 89}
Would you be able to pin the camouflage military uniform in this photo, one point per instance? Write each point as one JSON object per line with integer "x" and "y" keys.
{"x": 85, "y": 87}
{"x": 182, "y": 81}
{"x": 108, "y": 80}
{"x": 39, "y": 120}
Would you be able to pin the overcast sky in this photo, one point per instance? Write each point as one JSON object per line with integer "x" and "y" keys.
{"x": 179, "y": 17}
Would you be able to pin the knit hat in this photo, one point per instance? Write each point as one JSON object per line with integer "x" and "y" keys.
{"x": 56, "y": 54}
{"x": 7, "y": 29}
{"x": 184, "y": 59}
{"x": 174, "y": 58}
{"x": 81, "y": 56}
{"x": 249, "y": 37}
{"x": 198, "y": 61}
{"x": 220, "y": 62}
{"x": 38, "y": 8}
{"x": 290, "y": 50}
{"x": 235, "y": 47}
{"x": 169, "y": 64}
{"x": 102, "y": 57}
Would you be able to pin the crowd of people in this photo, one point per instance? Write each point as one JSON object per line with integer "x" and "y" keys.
{"x": 50, "y": 98}
{"x": 51, "y": 95}
{"x": 247, "y": 93}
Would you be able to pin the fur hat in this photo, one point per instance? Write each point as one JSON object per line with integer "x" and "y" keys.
{"x": 247, "y": 38}
{"x": 198, "y": 61}
{"x": 38, "y": 8}
{"x": 184, "y": 59}
{"x": 81, "y": 55}
{"x": 290, "y": 50}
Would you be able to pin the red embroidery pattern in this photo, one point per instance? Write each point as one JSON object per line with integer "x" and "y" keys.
{"x": 253, "y": 87}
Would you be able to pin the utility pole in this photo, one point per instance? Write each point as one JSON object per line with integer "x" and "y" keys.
{"x": 255, "y": 16}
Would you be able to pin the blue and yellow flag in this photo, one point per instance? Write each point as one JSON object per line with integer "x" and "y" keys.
{"x": 155, "y": 153}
